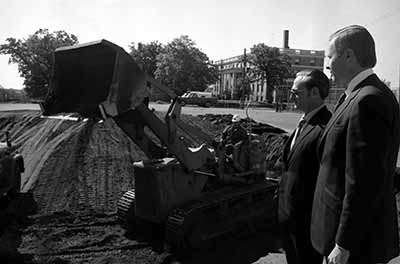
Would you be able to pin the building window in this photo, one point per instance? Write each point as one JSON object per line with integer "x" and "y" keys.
{"x": 312, "y": 62}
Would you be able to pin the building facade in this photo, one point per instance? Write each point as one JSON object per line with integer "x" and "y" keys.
{"x": 232, "y": 73}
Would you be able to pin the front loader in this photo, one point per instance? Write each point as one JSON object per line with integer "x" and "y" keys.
{"x": 197, "y": 192}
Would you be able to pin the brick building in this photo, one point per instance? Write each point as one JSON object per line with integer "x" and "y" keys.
{"x": 231, "y": 72}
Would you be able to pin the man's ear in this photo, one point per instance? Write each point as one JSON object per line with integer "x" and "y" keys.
{"x": 350, "y": 55}
{"x": 315, "y": 91}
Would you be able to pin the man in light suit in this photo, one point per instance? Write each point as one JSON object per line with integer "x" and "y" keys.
{"x": 301, "y": 167}
{"x": 354, "y": 215}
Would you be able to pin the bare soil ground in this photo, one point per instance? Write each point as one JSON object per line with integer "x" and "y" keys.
{"x": 75, "y": 174}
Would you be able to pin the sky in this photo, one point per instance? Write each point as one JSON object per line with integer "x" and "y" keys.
{"x": 220, "y": 28}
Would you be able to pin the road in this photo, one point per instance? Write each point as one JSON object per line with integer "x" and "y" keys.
{"x": 284, "y": 120}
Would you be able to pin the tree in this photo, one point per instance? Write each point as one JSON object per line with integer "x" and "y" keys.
{"x": 242, "y": 88}
{"x": 34, "y": 57}
{"x": 182, "y": 66}
{"x": 146, "y": 55}
{"x": 270, "y": 65}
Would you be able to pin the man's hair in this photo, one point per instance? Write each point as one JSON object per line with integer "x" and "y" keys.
{"x": 359, "y": 40}
{"x": 315, "y": 78}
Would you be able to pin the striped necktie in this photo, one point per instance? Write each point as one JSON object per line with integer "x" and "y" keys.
{"x": 302, "y": 121}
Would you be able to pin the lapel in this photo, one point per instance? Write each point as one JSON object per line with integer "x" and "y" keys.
{"x": 307, "y": 128}
{"x": 338, "y": 113}
{"x": 286, "y": 149}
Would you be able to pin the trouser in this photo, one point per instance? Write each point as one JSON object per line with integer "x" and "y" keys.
{"x": 298, "y": 248}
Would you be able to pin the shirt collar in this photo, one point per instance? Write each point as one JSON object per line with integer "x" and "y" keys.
{"x": 357, "y": 79}
{"x": 307, "y": 117}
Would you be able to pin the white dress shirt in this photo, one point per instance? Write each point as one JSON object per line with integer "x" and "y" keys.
{"x": 304, "y": 118}
{"x": 357, "y": 79}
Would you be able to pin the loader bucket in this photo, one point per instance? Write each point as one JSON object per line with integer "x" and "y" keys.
{"x": 88, "y": 75}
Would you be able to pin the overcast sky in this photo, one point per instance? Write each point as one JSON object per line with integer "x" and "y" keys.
{"x": 221, "y": 28}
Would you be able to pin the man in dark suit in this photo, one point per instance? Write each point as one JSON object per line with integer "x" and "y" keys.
{"x": 301, "y": 167}
{"x": 354, "y": 216}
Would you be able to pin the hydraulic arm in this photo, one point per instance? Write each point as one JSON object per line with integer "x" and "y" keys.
{"x": 99, "y": 79}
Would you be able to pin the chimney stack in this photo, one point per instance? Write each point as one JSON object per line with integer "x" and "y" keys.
{"x": 286, "y": 39}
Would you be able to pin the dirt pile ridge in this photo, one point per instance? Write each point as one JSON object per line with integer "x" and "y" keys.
{"x": 73, "y": 165}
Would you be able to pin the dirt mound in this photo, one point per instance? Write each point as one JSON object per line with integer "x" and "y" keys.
{"x": 273, "y": 138}
{"x": 221, "y": 121}
{"x": 72, "y": 165}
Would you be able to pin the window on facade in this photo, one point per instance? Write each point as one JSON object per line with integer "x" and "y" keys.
{"x": 312, "y": 62}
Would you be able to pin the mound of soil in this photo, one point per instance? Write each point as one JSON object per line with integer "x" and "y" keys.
{"x": 76, "y": 172}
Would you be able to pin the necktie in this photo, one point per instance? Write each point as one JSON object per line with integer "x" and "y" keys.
{"x": 297, "y": 131}
{"x": 340, "y": 101}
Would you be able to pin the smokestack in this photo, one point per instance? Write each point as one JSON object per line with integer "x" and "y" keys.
{"x": 286, "y": 39}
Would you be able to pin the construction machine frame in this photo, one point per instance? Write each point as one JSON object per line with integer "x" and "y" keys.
{"x": 195, "y": 191}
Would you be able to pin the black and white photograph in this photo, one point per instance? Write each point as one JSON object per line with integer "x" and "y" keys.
{"x": 191, "y": 132}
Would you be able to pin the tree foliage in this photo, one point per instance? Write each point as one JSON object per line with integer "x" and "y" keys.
{"x": 145, "y": 54}
{"x": 271, "y": 64}
{"x": 35, "y": 59}
{"x": 182, "y": 66}
{"x": 242, "y": 88}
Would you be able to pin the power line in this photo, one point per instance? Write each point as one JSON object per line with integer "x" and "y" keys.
{"x": 383, "y": 17}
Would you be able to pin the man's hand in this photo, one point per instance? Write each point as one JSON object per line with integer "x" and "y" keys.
{"x": 338, "y": 255}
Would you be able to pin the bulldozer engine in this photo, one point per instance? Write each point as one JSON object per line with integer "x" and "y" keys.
{"x": 191, "y": 190}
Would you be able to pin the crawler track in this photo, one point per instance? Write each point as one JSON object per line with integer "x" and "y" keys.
{"x": 240, "y": 210}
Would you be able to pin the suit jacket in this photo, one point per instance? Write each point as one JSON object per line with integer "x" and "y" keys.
{"x": 297, "y": 186}
{"x": 354, "y": 202}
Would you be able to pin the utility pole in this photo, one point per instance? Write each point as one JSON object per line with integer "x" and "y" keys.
{"x": 244, "y": 79}
{"x": 221, "y": 89}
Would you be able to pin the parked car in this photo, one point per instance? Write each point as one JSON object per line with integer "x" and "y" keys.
{"x": 199, "y": 98}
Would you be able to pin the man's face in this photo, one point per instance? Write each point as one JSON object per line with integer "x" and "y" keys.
{"x": 300, "y": 95}
{"x": 336, "y": 63}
